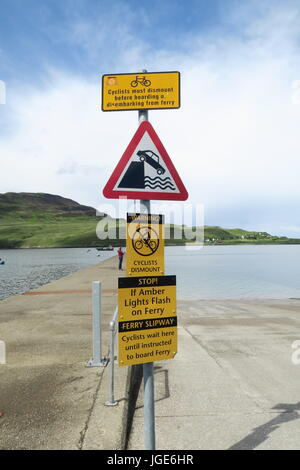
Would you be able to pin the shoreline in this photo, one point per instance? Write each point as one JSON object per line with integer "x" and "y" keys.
{"x": 55, "y": 248}
{"x": 23, "y": 287}
{"x": 87, "y": 257}
{"x": 186, "y": 245}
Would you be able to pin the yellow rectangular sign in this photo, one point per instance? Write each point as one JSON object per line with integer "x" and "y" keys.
{"x": 145, "y": 245}
{"x": 147, "y": 327}
{"x": 135, "y": 91}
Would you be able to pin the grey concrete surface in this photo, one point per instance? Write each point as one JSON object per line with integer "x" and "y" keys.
{"x": 49, "y": 399}
{"x": 232, "y": 384}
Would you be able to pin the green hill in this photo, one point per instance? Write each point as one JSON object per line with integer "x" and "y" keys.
{"x": 46, "y": 220}
{"x": 40, "y": 205}
{"x": 234, "y": 236}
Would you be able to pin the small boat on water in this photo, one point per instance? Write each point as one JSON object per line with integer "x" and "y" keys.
{"x": 105, "y": 248}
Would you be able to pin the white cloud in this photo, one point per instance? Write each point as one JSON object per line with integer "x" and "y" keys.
{"x": 234, "y": 141}
{"x": 63, "y": 143}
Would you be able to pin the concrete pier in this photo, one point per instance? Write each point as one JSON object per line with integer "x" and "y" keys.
{"x": 49, "y": 399}
{"x": 233, "y": 384}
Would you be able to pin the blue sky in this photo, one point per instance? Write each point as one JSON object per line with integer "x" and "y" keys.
{"x": 235, "y": 139}
{"x": 73, "y": 33}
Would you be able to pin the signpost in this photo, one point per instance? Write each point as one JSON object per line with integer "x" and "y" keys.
{"x": 147, "y": 319}
{"x": 136, "y": 91}
{"x": 145, "y": 245}
{"x": 147, "y": 298}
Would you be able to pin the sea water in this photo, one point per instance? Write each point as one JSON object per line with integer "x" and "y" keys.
{"x": 236, "y": 272}
{"x": 213, "y": 272}
{"x": 27, "y": 269}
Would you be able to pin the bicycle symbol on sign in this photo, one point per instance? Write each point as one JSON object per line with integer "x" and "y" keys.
{"x": 142, "y": 80}
{"x": 145, "y": 240}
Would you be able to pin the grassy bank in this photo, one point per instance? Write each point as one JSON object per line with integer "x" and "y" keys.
{"x": 80, "y": 231}
{"x": 33, "y": 220}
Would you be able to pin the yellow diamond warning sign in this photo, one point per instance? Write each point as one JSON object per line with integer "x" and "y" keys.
{"x": 147, "y": 327}
{"x": 135, "y": 91}
{"x": 144, "y": 245}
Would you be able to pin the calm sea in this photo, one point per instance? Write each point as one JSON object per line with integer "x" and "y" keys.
{"x": 28, "y": 269}
{"x": 213, "y": 272}
{"x": 236, "y": 272}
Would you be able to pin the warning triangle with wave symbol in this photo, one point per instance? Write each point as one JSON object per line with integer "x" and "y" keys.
{"x": 145, "y": 170}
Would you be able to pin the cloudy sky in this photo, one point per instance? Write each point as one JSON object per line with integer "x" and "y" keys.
{"x": 235, "y": 141}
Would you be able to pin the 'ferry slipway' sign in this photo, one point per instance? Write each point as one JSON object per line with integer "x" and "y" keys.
{"x": 136, "y": 91}
{"x": 147, "y": 328}
{"x": 144, "y": 245}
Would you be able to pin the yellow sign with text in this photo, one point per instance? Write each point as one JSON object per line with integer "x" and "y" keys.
{"x": 147, "y": 327}
{"x": 145, "y": 245}
{"x": 135, "y": 91}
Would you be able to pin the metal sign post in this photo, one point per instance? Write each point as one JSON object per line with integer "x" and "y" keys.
{"x": 148, "y": 375}
{"x": 97, "y": 360}
{"x": 145, "y": 172}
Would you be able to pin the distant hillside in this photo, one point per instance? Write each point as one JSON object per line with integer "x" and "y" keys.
{"x": 219, "y": 234}
{"x": 28, "y": 205}
{"x": 45, "y": 220}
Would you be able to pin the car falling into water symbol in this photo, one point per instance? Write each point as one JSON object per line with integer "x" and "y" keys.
{"x": 152, "y": 159}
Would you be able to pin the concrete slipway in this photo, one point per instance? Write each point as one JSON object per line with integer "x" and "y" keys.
{"x": 232, "y": 385}
{"x": 49, "y": 399}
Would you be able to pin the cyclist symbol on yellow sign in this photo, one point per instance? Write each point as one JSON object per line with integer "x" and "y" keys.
{"x": 141, "y": 80}
{"x": 145, "y": 240}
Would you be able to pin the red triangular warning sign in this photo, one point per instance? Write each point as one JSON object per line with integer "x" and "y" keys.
{"x": 145, "y": 170}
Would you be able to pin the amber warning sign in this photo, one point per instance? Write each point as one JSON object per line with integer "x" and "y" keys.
{"x": 134, "y": 91}
{"x": 147, "y": 327}
{"x": 145, "y": 245}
